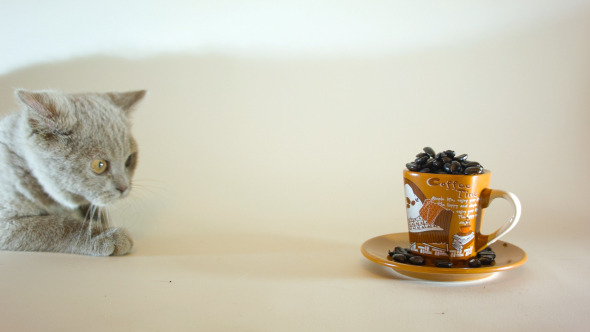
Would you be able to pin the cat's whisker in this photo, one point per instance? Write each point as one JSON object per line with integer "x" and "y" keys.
{"x": 147, "y": 180}
{"x": 106, "y": 223}
{"x": 147, "y": 184}
{"x": 147, "y": 192}
{"x": 86, "y": 236}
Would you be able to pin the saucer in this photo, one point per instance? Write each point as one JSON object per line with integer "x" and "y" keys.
{"x": 508, "y": 256}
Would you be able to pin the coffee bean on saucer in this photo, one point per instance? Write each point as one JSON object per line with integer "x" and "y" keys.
{"x": 399, "y": 250}
{"x": 403, "y": 251}
{"x": 487, "y": 252}
{"x": 474, "y": 262}
{"x": 404, "y": 255}
{"x": 417, "y": 260}
{"x": 443, "y": 263}
{"x": 486, "y": 260}
{"x": 400, "y": 258}
{"x": 491, "y": 255}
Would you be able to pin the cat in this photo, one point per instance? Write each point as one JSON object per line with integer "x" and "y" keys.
{"x": 63, "y": 159}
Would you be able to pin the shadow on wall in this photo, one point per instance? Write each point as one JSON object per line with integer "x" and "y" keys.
{"x": 316, "y": 145}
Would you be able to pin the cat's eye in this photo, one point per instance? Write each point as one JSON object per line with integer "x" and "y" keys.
{"x": 99, "y": 166}
{"x": 130, "y": 160}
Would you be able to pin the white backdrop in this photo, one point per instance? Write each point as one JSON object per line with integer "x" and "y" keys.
{"x": 35, "y": 31}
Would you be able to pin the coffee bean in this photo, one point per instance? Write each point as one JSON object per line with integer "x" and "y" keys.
{"x": 401, "y": 251}
{"x": 429, "y": 151}
{"x": 443, "y": 263}
{"x": 422, "y": 154}
{"x": 486, "y": 260}
{"x": 438, "y": 164}
{"x": 474, "y": 262}
{"x": 467, "y": 163}
{"x": 413, "y": 167}
{"x": 400, "y": 258}
{"x": 447, "y": 167}
{"x": 489, "y": 254}
{"x": 421, "y": 160}
{"x": 472, "y": 170}
{"x": 456, "y": 167}
{"x": 462, "y": 157}
{"x": 417, "y": 260}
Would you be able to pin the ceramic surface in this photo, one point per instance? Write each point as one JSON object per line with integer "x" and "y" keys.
{"x": 508, "y": 256}
{"x": 445, "y": 213}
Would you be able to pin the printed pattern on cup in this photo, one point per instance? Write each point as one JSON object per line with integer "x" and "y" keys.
{"x": 432, "y": 249}
{"x": 442, "y": 213}
{"x": 461, "y": 241}
{"x": 428, "y": 221}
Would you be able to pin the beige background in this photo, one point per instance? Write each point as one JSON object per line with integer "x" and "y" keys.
{"x": 260, "y": 178}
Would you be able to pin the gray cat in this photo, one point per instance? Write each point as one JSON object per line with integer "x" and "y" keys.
{"x": 64, "y": 158}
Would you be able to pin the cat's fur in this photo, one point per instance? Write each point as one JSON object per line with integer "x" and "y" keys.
{"x": 50, "y": 197}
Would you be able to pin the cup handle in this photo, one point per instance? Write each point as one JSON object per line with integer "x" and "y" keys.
{"x": 487, "y": 196}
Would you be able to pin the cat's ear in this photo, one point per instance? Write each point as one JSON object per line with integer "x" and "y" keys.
{"x": 126, "y": 100}
{"x": 47, "y": 110}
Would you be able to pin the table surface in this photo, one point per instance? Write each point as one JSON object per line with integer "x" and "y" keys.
{"x": 260, "y": 179}
{"x": 263, "y": 282}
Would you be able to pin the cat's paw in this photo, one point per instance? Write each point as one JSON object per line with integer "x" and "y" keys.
{"x": 112, "y": 242}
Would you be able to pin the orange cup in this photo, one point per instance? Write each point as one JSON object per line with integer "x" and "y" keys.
{"x": 445, "y": 213}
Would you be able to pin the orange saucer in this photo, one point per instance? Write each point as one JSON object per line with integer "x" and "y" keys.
{"x": 508, "y": 256}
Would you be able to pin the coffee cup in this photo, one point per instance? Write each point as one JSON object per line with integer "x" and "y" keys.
{"x": 445, "y": 213}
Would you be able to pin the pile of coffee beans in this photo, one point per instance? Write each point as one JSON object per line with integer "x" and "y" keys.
{"x": 403, "y": 255}
{"x": 446, "y": 162}
{"x": 484, "y": 257}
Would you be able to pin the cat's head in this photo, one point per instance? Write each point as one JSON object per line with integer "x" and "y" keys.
{"x": 80, "y": 146}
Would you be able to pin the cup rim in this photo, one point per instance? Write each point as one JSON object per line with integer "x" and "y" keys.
{"x": 485, "y": 171}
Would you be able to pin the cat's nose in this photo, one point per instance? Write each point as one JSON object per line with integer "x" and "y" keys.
{"x": 122, "y": 188}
